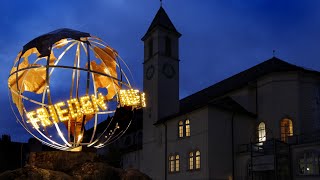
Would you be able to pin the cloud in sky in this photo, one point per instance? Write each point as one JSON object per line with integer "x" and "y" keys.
{"x": 219, "y": 38}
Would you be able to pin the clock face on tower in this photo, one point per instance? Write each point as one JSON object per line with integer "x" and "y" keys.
{"x": 168, "y": 70}
{"x": 150, "y": 72}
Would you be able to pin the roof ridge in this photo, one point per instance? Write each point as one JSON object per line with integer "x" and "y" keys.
{"x": 221, "y": 88}
{"x": 271, "y": 61}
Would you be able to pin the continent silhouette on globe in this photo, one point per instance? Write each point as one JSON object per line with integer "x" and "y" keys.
{"x": 65, "y": 83}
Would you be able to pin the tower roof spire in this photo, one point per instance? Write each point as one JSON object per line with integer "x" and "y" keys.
{"x": 161, "y": 20}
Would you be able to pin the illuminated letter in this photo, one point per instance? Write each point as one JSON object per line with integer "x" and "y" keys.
{"x": 132, "y": 98}
{"x": 75, "y": 110}
{"x": 143, "y": 100}
{"x": 61, "y": 112}
{"x": 43, "y": 116}
{"x": 98, "y": 102}
{"x": 53, "y": 114}
{"x": 86, "y": 105}
{"x": 33, "y": 119}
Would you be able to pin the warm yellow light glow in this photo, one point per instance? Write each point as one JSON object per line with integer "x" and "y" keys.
{"x": 197, "y": 159}
{"x": 187, "y": 127}
{"x": 75, "y": 110}
{"x": 86, "y": 105}
{"x": 53, "y": 114}
{"x": 143, "y": 100}
{"x": 262, "y": 132}
{"x": 191, "y": 161}
{"x": 62, "y": 113}
{"x": 98, "y": 102}
{"x": 177, "y": 163}
{"x": 79, "y": 138}
{"x": 60, "y": 119}
{"x": 132, "y": 97}
{"x": 33, "y": 119}
{"x": 180, "y": 129}
{"x": 286, "y": 129}
{"x": 43, "y": 115}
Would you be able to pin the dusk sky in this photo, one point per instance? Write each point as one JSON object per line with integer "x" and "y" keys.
{"x": 219, "y": 37}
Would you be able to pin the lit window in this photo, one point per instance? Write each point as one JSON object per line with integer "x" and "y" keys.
{"x": 171, "y": 164}
{"x": 191, "y": 161}
{"x": 286, "y": 129}
{"x": 198, "y": 160}
{"x": 309, "y": 163}
{"x": 194, "y": 160}
{"x": 174, "y": 163}
{"x": 177, "y": 163}
{"x": 180, "y": 129}
{"x": 262, "y": 132}
{"x": 187, "y": 128}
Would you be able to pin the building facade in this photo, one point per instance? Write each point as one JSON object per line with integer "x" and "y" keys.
{"x": 262, "y": 123}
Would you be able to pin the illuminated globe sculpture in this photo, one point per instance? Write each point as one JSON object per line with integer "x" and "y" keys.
{"x": 70, "y": 89}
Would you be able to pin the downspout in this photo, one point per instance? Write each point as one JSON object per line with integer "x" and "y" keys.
{"x": 232, "y": 141}
{"x": 165, "y": 151}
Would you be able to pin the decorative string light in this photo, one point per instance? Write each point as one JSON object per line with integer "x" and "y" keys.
{"x": 86, "y": 105}
{"x": 62, "y": 113}
{"x": 102, "y": 72}
{"x": 132, "y": 97}
{"x": 75, "y": 110}
{"x": 98, "y": 102}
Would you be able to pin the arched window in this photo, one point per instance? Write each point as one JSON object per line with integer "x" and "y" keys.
{"x": 184, "y": 128}
{"x": 198, "y": 160}
{"x": 309, "y": 163}
{"x": 187, "y": 128}
{"x": 286, "y": 129}
{"x": 177, "y": 163}
{"x": 174, "y": 163}
{"x": 194, "y": 161}
{"x": 171, "y": 164}
{"x": 180, "y": 129}
{"x": 262, "y": 132}
{"x": 190, "y": 167}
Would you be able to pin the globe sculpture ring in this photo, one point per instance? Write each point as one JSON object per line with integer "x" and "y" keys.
{"x": 70, "y": 90}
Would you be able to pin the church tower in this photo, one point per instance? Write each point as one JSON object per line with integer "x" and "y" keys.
{"x": 161, "y": 86}
{"x": 161, "y": 67}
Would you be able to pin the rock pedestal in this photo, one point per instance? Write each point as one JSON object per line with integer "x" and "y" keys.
{"x": 61, "y": 160}
{"x": 70, "y": 165}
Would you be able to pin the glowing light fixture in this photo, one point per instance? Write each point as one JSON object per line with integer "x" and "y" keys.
{"x": 64, "y": 83}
